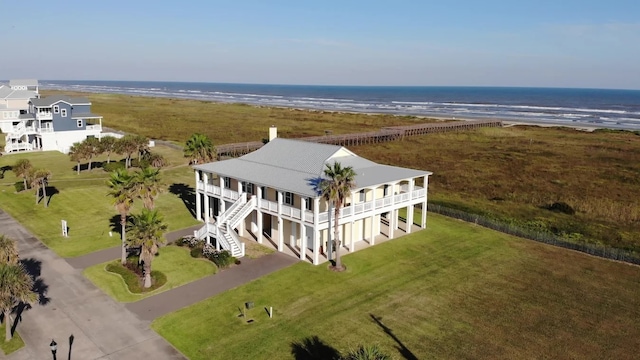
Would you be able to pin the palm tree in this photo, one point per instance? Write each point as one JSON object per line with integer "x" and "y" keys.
{"x": 122, "y": 190}
{"x": 16, "y": 286}
{"x": 335, "y": 189}
{"x": 199, "y": 148}
{"x": 8, "y": 250}
{"x": 371, "y": 352}
{"x": 39, "y": 180}
{"x": 77, "y": 153}
{"x": 147, "y": 230}
{"x": 147, "y": 186}
{"x": 22, "y": 168}
{"x": 108, "y": 145}
{"x": 154, "y": 159}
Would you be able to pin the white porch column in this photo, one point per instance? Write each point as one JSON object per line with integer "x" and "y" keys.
{"x": 372, "y": 230}
{"x": 351, "y": 240}
{"x": 316, "y": 236}
{"x": 205, "y": 180}
{"x": 292, "y": 236}
{"x": 223, "y": 206}
{"x": 259, "y": 214}
{"x": 198, "y": 205}
{"x": 303, "y": 241}
{"x": 409, "y": 220}
{"x": 424, "y": 203}
{"x": 241, "y": 225}
{"x": 280, "y": 234}
{"x": 316, "y": 247}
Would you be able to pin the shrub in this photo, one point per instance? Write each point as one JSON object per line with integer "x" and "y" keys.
{"x": 190, "y": 241}
{"x": 371, "y": 352}
{"x": 113, "y": 166}
{"x": 196, "y": 252}
{"x": 561, "y": 207}
{"x": 19, "y": 185}
{"x": 222, "y": 259}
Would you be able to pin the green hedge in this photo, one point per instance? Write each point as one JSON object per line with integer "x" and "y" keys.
{"x": 133, "y": 281}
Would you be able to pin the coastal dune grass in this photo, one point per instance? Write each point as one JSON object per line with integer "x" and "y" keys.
{"x": 453, "y": 290}
{"x": 173, "y": 261}
{"x": 83, "y": 201}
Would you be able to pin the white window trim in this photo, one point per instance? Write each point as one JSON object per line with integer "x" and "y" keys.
{"x": 362, "y": 197}
{"x": 79, "y": 122}
{"x": 63, "y": 112}
{"x": 56, "y": 109}
{"x": 227, "y": 182}
{"x": 309, "y": 204}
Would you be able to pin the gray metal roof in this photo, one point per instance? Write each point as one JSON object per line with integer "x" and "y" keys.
{"x": 294, "y": 166}
{"x": 8, "y": 93}
{"x": 23, "y": 82}
{"x": 50, "y": 100}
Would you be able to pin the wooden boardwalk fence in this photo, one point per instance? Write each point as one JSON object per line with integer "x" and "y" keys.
{"x": 390, "y": 133}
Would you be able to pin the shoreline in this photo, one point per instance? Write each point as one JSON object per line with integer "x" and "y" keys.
{"x": 508, "y": 122}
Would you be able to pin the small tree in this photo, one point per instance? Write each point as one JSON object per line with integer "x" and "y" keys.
{"x": 199, "y": 149}
{"x": 22, "y": 168}
{"x": 127, "y": 145}
{"x": 39, "y": 180}
{"x": 8, "y": 250}
{"x": 108, "y": 146}
{"x": 77, "y": 153}
{"x": 142, "y": 145}
{"x": 16, "y": 286}
{"x": 92, "y": 148}
{"x": 147, "y": 231}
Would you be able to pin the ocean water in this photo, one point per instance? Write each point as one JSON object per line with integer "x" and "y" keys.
{"x": 616, "y": 109}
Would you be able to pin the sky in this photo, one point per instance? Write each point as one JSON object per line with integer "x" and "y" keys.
{"x": 559, "y": 43}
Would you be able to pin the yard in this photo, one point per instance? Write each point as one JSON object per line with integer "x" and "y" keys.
{"x": 83, "y": 202}
{"x": 454, "y": 290}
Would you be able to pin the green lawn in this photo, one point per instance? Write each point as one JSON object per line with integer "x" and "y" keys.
{"x": 453, "y": 290}
{"x": 175, "y": 262}
{"x": 13, "y": 345}
{"x": 82, "y": 200}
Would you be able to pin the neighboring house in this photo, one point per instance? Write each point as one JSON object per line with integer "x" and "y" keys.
{"x": 53, "y": 123}
{"x": 272, "y": 193}
{"x": 14, "y": 102}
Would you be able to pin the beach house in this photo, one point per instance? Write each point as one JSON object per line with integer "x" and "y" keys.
{"x": 14, "y": 102}
{"x": 271, "y": 196}
{"x": 51, "y": 123}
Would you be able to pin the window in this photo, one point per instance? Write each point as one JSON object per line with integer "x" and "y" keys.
{"x": 386, "y": 190}
{"x": 56, "y": 109}
{"x": 63, "y": 112}
{"x": 227, "y": 182}
{"x": 247, "y": 188}
{"x": 309, "y": 204}
{"x": 362, "y": 196}
{"x": 79, "y": 122}
{"x": 264, "y": 192}
{"x": 288, "y": 198}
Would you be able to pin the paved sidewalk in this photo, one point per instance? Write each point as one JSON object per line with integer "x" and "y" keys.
{"x": 99, "y": 257}
{"x": 185, "y": 295}
{"x": 72, "y": 306}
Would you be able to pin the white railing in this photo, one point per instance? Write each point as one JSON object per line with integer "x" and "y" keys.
{"x": 94, "y": 127}
{"x": 44, "y": 116}
{"x": 242, "y": 212}
{"x": 45, "y": 129}
{"x": 238, "y": 250}
{"x": 230, "y": 194}
{"x": 269, "y": 205}
{"x": 18, "y": 147}
{"x": 223, "y": 217}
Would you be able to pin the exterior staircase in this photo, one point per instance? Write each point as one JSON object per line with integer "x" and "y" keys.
{"x": 223, "y": 230}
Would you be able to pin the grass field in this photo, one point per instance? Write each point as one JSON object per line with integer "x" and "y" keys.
{"x": 451, "y": 291}
{"x": 82, "y": 200}
{"x": 13, "y": 345}
{"x": 175, "y": 262}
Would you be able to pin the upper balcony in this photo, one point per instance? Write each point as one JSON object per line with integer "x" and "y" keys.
{"x": 44, "y": 115}
{"x": 357, "y": 210}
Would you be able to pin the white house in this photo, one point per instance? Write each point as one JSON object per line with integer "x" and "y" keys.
{"x": 14, "y": 102}
{"x": 52, "y": 123}
{"x": 272, "y": 194}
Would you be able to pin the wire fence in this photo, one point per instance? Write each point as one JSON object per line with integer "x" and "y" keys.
{"x": 599, "y": 250}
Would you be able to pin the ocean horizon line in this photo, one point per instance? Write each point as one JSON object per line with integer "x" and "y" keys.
{"x": 344, "y": 85}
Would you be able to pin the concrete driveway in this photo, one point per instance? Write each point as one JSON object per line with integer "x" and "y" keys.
{"x": 86, "y": 323}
